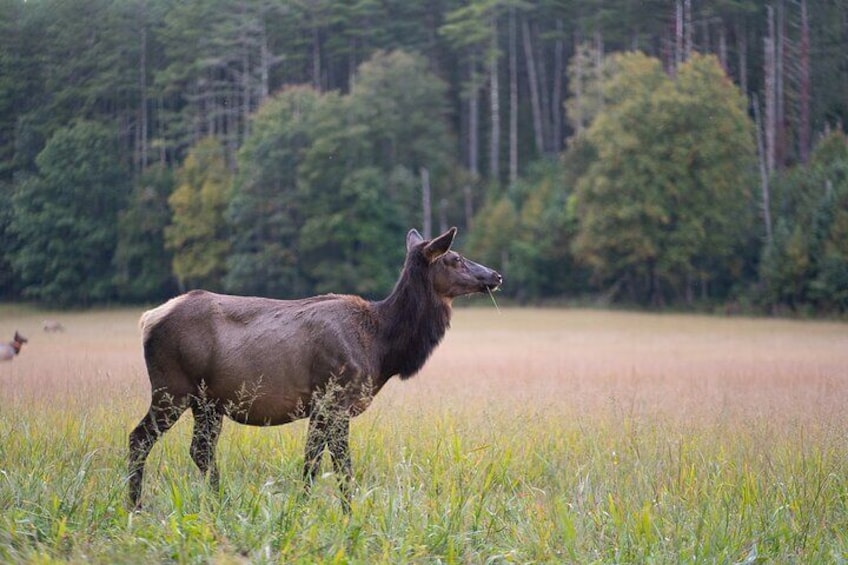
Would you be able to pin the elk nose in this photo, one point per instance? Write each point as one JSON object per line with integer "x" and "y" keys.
{"x": 495, "y": 280}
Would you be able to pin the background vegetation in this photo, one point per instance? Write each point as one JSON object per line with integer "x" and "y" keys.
{"x": 548, "y": 436}
{"x": 678, "y": 152}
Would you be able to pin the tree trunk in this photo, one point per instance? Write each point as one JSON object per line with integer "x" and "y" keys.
{"x": 473, "y": 124}
{"x": 704, "y": 41}
{"x": 316, "y": 57}
{"x": 556, "y": 105}
{"x": 158, "y": 112}
{"x": 770, "y": 92}
{"x": 494, "y": 107}
{"x": 544, "y": 91}
{"x": 265, "y": 63}
{"x": 576, "y": 86}
{"x": 742, "y": 48}
{"x": 678, "y": 35}
{"x": 513, "y": 100}
{"x": 443, "y": 215}
{"x": 599, "y": 67}
{"x": 780, "y": 112}
{"x": 533, "y": 83}
{"x": 688, "y": 27}
{"x": 142, "y": 86}
{"x": 426, "y": 206}
{"x": 204, "y": 124}
{"x": 804, "y": 86}
{"x": 690, "y": 289}
{"x": 246, "y": 89}
{"x": 764, "y": 173}
{"x": 469, "y": 207}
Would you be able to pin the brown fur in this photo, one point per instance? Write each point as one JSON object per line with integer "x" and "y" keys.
{"x": 9, "y": 350}
{"x": 262, "y": 361}
{"x": 52, "y": 326}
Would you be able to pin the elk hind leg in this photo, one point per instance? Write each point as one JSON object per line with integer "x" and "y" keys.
{"x": 207, "y": 428}
{"x": 163, "y": 413}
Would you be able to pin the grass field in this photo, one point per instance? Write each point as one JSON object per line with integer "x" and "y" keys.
{"x": 531, "y": 436}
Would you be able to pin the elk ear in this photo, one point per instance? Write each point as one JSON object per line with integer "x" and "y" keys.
{"x": 413, "y": 238}
{"x": 439, "y": 246}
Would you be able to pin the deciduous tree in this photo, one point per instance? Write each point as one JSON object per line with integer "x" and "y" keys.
{"x": 266, "y": 212}
{"x": 197, "y": 235}
{"x": 142, "y": 265}
{"x": 65, "y": 217}
{"x": 670, "y": 187}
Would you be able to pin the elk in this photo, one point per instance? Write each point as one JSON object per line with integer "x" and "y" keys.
{"x": 52, "y": 326}
{"x": 266, "y": 362}
{"x": 9, "y": 350}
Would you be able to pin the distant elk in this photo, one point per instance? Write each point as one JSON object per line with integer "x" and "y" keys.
{"x": 265, "y": 362}
{"x": 52, "y": 326}
{"x": 9, "y": 350}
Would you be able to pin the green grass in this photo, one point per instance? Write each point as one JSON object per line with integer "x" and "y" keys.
{"x": 532, "y": 436}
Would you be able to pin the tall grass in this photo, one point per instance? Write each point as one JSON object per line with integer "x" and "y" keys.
{"x": 541, "y": 436}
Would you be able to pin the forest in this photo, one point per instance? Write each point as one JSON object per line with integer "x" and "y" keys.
{"x": 653, "y": 153}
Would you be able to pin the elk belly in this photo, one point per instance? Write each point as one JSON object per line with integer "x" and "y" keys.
{"x": 267, "y": 408}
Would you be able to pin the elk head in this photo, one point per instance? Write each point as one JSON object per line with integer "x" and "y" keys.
{"x": 452, "y": 274}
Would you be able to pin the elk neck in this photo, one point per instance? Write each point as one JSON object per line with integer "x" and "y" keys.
{"x": 413, "y": 320}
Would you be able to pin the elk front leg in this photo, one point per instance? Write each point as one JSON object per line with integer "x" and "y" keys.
{"x": 316, "y": 441}
{"x": 329, "y": 429}
{"x": 339, "y": 445}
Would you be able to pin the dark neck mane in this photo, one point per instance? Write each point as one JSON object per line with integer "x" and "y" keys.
{"x": 413, "y": 320}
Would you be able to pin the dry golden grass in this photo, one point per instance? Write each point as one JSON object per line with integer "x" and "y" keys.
{"x": 577, "y": 361}
{"x": 97, "y": 360}
{"x": 531, "y": 435}
{"x": 691, "y": 371}
{"x": 678, "y": 366}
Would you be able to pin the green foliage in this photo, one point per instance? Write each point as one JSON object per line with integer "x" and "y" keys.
{"x": 495, "y": 228}
{"x": 401, "y": 104}
{"x": 357, "y": 245}
{"x": 84, "y": 60}
{"x": 17, "y": 75}
{"x": 806, "y": 263}
{"x": 266, "y": 210}
{"x": 167, "y": 74}
{"x": 352, "y": 237}
{"x": 214, "y": 94}
{"x": 197, "y": 234}
{"x": 584, "y": 85}
{"x": 8, "y": 242}
{"x": 142, "y": 269}
{"x": 65, "y": 217}
{"x": 669, "y": 190}
{"x": 327, "y": 184}
{"x": 526, "y": 235}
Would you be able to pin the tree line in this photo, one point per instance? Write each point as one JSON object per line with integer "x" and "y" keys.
{"x": 663, "y": 152}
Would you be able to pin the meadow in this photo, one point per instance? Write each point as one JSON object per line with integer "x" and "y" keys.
{"x": 531, "y": 436}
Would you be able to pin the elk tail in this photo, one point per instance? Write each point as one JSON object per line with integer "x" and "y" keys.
{"x": 151, "y": 318}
